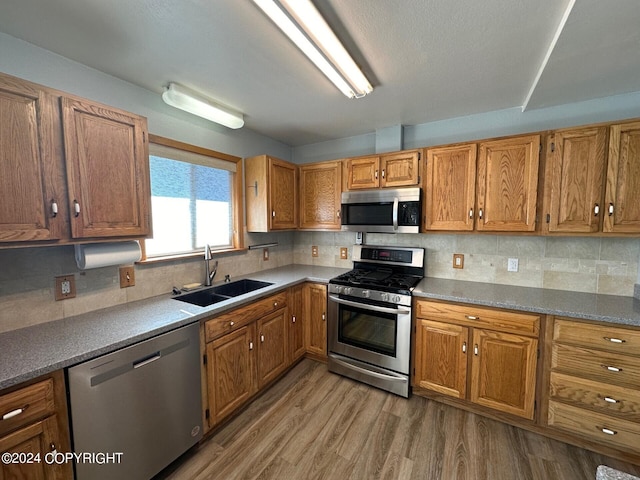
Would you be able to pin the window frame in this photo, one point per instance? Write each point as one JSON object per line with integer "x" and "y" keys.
{"x": 237, "y": 199}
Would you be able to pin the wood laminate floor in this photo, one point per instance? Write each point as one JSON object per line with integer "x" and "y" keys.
{"x": 313, "y": 424}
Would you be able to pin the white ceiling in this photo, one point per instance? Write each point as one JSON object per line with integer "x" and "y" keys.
{"x": 427, "y": 59}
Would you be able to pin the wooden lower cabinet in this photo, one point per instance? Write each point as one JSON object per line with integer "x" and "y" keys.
{"x": 485, "y": 356}
{"x": 34, "y": 423}
{"x": 295, "y": 301}
{"x": 315, "y": 297}
{"x": 594, "y": 385}
{"x": 272, "y": 347}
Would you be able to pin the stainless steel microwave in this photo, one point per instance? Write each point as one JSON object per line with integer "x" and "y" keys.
{"x": 382, "y": 211}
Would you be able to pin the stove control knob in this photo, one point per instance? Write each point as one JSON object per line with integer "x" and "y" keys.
{"x": 337, "y": 289}
{"x": 348, "y": 290}
{"x": 366, "y": 293}
{"x": 396, "y": 299}
{"x": 384, "y": 297}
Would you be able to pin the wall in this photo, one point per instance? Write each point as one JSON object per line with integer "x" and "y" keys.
{"x": 581, "y": 264}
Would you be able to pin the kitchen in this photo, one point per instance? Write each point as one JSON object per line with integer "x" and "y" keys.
{"x": 584, "y": 264}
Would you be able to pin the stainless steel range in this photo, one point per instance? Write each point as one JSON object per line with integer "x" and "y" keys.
{"x": 369, "y": 316}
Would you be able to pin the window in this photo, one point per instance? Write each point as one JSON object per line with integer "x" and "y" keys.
{"x": 195, "y": 199}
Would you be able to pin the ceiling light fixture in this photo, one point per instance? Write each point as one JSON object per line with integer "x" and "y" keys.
{"x": 185, "y": 99}
{"x": 303, "y": 24}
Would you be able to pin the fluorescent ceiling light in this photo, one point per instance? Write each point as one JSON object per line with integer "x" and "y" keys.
{"x": 192, "y": 102}
{"x": 317, "y": 41}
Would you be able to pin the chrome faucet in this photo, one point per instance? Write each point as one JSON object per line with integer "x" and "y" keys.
{"x": 207, "y": 259}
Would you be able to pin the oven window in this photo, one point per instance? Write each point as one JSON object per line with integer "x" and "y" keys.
{"x": 369, "y": 330}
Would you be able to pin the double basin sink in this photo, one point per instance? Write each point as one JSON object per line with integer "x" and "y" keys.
{"x": 220, "y": 293}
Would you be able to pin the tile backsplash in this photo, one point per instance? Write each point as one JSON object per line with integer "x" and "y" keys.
{"x": 597, "y": 265}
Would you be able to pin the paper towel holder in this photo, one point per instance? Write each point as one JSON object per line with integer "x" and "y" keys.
{"x": 97, "y": 255}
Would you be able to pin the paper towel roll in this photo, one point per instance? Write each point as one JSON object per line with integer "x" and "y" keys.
{"x": 98, "y": 255}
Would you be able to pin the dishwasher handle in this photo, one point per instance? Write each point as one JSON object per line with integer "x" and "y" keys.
{"x": 147, "y": 360}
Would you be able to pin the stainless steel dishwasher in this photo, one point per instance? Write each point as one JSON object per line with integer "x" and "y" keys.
{"x": 141, "y": 405}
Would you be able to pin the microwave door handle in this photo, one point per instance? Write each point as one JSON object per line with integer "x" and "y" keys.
{"x": 366, "y": 306}
{"x": 395, "y": 213}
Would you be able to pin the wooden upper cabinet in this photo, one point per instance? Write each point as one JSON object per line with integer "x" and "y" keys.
{"x": 575, "y": 180}
{"x": 320, "y": 195}
{"x": 508, "y": 184}
{"x": 272, "y": 194}
{"x": 399, "y": 169}
{"x": 33, "y": 197}
{"x": 107, "y": 170}
{"x": 450, "y": 188}
{"x": 363, "y": 172}
{"x": 622, "y": 196}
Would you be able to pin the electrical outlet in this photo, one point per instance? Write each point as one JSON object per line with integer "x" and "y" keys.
{"x": 127, "y": 277}
{"x": 65, "y": 287}
{"x": 344, "y": 253}
{"x": 265, "y": 254}
{"x": 512, "y": 265}
{"x": 314, "y": 250}
{"x": 458, "y": 260}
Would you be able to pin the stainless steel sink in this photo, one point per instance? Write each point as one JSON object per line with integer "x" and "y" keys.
{"x": 219, "y": 293}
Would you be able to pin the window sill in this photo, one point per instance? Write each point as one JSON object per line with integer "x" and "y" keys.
{"x": 187, "y": 256}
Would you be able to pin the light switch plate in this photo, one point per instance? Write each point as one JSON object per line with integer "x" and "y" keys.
{"x": 512, "y": 265}
{"x": 314, "y": 250}
{"x": 265, "y": 254}
{"x": 65, "y": 287}
{"x": 458, "y": 260}
{"x": 127, "y": 277}
{"x": 344, "y": 253}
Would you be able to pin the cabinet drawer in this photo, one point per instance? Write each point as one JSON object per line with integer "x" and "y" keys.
{"x": 609, "y": 338}
{"x": 231, "y": 321}
{"x": 26, "y": 405}
{"x": 608, "y": 399}
{"x": 599, "y": 366}
{"x": 594, "y": 426}
{"x": 501, "y": 320}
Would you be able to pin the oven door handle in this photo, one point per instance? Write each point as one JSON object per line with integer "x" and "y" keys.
{"x": 395, "y": 213}
{"x": 366, "y": 306}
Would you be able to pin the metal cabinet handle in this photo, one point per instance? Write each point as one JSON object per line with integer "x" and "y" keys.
{"x": 471, "y": 317}
{"x": 475, "y": 349}
{"x": 250, "y": 345}
{"x": 14, "y": 413}
{"x": 471, "y": 213}
{"x": 383, "y": 173}
{"x": 610, "y": 400}
{"x": 610, "y": 209}
{"x": 338, "y": 214}
{"x": 275, "y": 304}
{"x": 293, "y": 319}
{"x": 273, "y": 213}
{"x": 608, "y": 431}
{"x": 76, "y": 208}
{"x": 464, "y": 347}
{"x": 596, "y": 210}
{"x": 261, "y": 338}
{"x": 611, "y": 368}
{"x": 232, "y": 323}
{"x": 376, "y": 174}
{"x": 54, "y": 208}
{"x": 324, "y": 316}
{"x": 614, "y": 340}
{"x": 480, "y": 213}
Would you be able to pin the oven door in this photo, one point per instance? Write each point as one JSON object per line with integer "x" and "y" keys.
{"x": 372, "y": 332}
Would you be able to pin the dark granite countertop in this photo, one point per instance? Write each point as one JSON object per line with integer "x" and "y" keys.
{"x": 588, "y": 306}
{"x": 33, "y": 351}
{"x": 29, "y": 352}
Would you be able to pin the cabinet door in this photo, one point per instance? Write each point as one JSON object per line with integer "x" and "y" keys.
{"x": 508, "y": 184}
{"x": 30, "y": 164}
{"x": 296, "y": 323}
{"x": 622, "y": 201}
{"x": 230, "y": 372}
{"x": 316, "y": 313}
{"x": 504, "y": 372}
{"x": 363, "y": 173}
{"x": 37, "y": 439}
{"x": 283, "y": 194}
{"x": 107, "y": 170}
{"x": 575, "y": 176}
{"x": 450, "y": 188}
{"x": 273, "y": 346}
{"x": 400, "y": 169}
{"x": 320, "y": 195}
{"x": 441, "y": 357}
